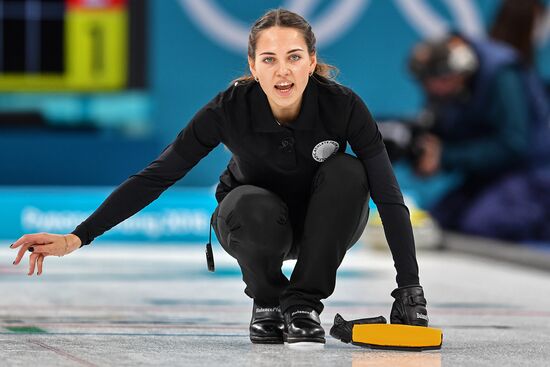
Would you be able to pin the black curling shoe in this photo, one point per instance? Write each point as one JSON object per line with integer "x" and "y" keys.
{"x": 302, "y": 325}
{"x": 266, "y": 326}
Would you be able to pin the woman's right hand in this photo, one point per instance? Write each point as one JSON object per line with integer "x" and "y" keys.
{"x": 41, "y": 245}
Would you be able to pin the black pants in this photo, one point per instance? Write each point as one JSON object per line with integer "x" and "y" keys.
{"x": 253, "y": 225}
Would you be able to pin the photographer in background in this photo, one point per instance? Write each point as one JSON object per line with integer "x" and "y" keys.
{"x": 484, "y": 120}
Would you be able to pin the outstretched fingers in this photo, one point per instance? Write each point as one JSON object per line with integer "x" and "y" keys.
{"x": 32, "y": 262}
{"x": 43, "y": 249}
{"x": 40, "y": 262}
{"x": 27, "y": 241}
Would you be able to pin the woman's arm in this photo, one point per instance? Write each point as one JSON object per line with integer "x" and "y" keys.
{"x": 366, "y": 142}
{"x": 194, "y": 142}
{"x": 134, "y": 194}
{"x": 395, "y": 217}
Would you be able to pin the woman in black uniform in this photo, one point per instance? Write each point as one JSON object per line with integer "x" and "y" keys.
{"x": 289, "y": 190}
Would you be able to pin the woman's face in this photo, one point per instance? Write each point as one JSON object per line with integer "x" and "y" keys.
{"x": 282, "y": 66}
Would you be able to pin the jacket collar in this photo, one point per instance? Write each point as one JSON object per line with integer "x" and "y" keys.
{"x": 262, "y": 118}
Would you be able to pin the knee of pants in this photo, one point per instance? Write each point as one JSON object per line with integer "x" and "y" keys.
{"x": 342, "y": 170}
{"x": 259, "y": 220}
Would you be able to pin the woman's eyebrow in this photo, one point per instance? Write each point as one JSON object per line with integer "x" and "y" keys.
{"x": 289, "y": 52}
{"x": 294, "y": 50}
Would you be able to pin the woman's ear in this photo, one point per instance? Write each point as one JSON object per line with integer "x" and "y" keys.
{"x": 252, "y": 66}
{"x": 313, "y": 63}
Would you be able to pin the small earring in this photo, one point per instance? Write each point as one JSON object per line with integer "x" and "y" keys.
{"x": 311, "y": 74}
{"x": 256, "y": 79}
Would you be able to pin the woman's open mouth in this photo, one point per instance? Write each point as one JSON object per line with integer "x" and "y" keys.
{"x": 284, "y": 89}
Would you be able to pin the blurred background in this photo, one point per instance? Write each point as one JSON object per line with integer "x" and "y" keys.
{"x": 92, "y": 91}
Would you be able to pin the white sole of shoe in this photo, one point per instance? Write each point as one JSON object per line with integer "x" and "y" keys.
{"x": 305, "y": 345}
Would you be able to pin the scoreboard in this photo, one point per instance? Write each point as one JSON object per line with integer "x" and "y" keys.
{"x": 64, "y": 45}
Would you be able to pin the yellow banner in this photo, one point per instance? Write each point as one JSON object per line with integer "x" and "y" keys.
{"x": 96, "y": 56}
{"x": 97, "y": 44}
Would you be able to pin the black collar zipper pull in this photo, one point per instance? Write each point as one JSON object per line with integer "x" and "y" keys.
{"x": 209, "y": 253}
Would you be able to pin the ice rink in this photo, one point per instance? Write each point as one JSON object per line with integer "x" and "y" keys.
{"x": 124, "y": 305}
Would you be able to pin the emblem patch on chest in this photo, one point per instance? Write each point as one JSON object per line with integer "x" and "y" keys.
{"x": 325, "y": 149}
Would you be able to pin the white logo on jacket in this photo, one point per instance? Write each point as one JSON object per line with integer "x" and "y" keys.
{"x": 325, "y": 149}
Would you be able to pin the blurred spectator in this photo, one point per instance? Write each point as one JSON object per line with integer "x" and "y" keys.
{"x": 488, "y": 121}
{"x": 515, "y": 24}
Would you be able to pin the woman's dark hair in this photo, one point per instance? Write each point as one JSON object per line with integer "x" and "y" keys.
{"x": 515, "y": 25}
{"x": 288, "y": 19}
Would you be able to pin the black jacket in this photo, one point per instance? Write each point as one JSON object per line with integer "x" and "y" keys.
{"x": 282, "y": 159}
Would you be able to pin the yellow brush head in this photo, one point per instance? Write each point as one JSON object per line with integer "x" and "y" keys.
{"x": 394, "y": 336}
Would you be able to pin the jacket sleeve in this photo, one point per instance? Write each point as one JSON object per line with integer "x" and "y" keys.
{"x": 366, "y": 142}
{"x": 196, "y": 140}
{"x": 509, "y": 141}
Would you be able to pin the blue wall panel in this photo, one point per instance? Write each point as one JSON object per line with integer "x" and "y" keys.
{"x": 368, "y": 40}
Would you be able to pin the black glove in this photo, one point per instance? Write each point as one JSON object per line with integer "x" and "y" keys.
{"x": 343, "y": 330}
{"x": 409, "y": 307}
